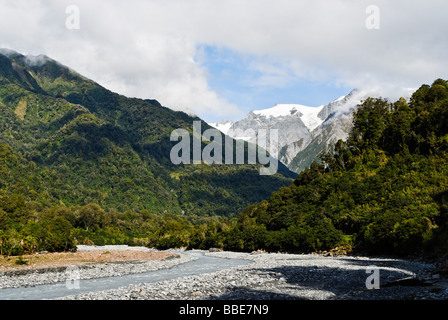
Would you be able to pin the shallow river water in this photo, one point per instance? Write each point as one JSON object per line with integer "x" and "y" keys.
{"x": 203, "y": 264}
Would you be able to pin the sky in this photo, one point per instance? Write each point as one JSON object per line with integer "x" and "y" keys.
{"x": 219, "y": 59}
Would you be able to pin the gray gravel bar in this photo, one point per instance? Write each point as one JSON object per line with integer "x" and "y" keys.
{"x": 26, "y": 278}
{"x": 275, "y": 276}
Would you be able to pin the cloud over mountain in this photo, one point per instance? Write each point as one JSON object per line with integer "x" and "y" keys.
{"x": 150, "y": 49}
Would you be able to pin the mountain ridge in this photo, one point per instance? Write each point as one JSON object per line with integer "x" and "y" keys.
{"x": 304, "y": 131}
{"x": 111, "y": 149}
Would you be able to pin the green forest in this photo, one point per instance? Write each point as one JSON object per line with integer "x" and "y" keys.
{"x": 82, "y": 165}
{"x": 383, "y": 191}
{"x": 67, "y": 143}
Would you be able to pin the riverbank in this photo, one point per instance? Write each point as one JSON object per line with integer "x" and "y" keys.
{"x": 91, "y": 262}
{"x": 293, "y": 276}
{"x": 268, "y": 276}
{"x": 39, "y": 261}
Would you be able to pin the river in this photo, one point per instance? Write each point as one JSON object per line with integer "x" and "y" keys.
{"x": 203, "y": 264}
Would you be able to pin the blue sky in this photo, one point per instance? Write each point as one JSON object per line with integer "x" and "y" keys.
{"x": 235, "y": 76}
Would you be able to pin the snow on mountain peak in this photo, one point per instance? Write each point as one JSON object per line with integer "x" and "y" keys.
{"x": 308, "y": 115}
{"x": 223, "y": 126}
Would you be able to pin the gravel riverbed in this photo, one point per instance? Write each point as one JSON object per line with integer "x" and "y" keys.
{"x": 268, "y": 276}
{"x": 24, "y": 278}
{"x": 273, "y": 276}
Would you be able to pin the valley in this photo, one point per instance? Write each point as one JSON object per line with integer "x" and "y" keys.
{"x": 81, "y": 165}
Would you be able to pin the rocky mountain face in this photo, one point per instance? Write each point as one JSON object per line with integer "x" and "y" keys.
{"x": 302, "y": 131}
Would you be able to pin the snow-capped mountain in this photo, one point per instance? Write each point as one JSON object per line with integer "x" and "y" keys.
{"x": 292, "y": 122}
{"x": 309, "y": 115}
{"x": 303, "y": 131}
{"x": 222, "y": 126}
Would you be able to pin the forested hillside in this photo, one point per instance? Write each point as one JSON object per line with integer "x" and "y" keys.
{"x": 383, "y": 191}
{"x": 70, "y": 148}
{"x": 93, "y": 145}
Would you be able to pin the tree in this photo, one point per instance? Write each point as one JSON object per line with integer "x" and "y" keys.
{"x": 55, "y": 234}
{"x": 369, "y": 122}
{"x": 90, "y": 216}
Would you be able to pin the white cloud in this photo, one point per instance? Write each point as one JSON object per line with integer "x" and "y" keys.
{"x": 148, "y": 48}
{"x": 127, "y": 48}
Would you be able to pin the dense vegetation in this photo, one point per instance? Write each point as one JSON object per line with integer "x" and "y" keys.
{"x": 32, "y": 220}
{"x": 90, "y": 145}
{"x": 69, "y": 146}
{"x": 383, "y": 191}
